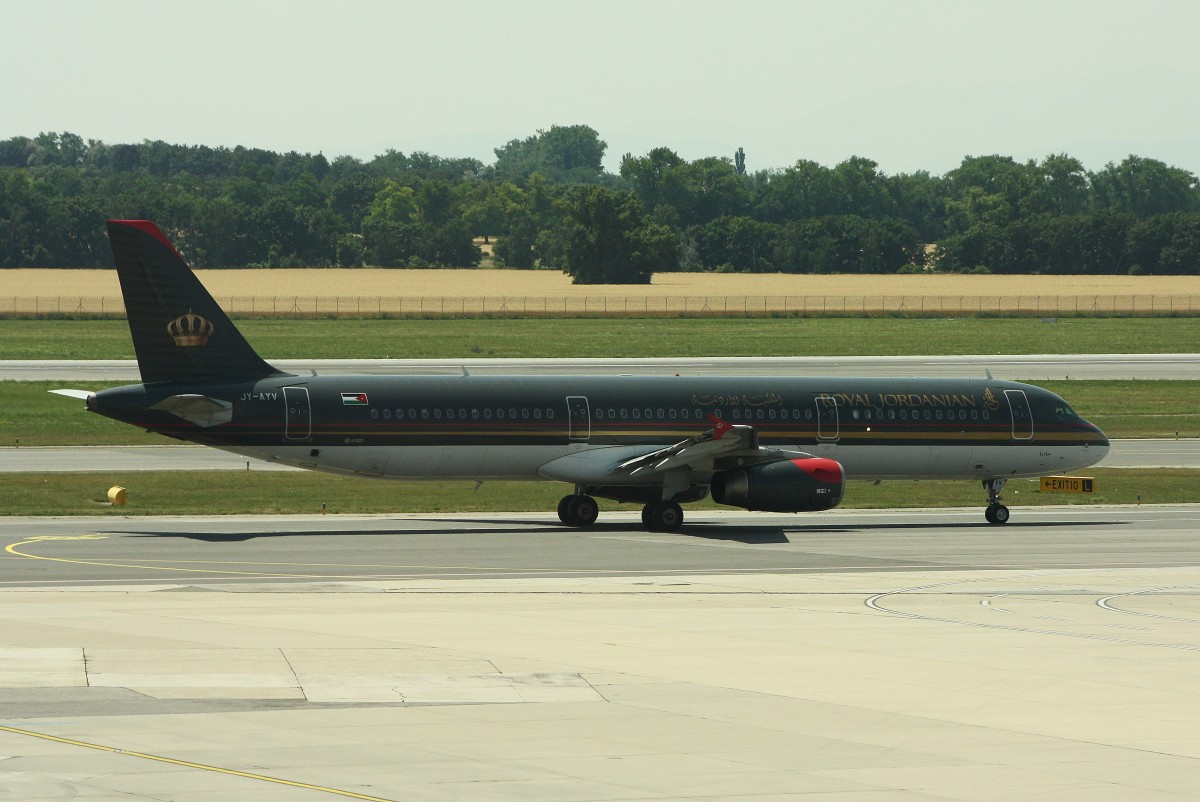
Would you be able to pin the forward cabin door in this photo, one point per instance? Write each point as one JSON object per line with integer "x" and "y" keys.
{"x": 827, "y": 418}
{"x": 579, "y": 418}
{"x": 298, "y": 423}
{"x": 1022, "y": 416}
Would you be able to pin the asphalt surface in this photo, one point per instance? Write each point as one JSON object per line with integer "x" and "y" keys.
{"x": 893, "y": 654}
{"x": 513, "y": 545}
{"x": 1016, "y": 367}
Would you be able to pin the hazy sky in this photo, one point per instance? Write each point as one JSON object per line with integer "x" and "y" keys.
{"x": 913, "y": 85}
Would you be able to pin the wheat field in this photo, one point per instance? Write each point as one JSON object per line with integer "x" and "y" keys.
{"x": 351, "y": 291}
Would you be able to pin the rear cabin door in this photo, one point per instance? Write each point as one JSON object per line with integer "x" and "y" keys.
{"x": 579, "y": 418}
{"x": 1022, "y": 416}
{"x": 298, "y": 423}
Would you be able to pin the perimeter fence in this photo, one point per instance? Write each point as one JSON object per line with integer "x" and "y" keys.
{"x": 352, "y": 306}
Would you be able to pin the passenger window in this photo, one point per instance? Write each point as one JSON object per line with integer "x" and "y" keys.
{"x": 399, "y": 414}
{"x": 374, "y": 414}
{"x": 672, "y": 411}
{"x": 537, "y": 414}
{"x": 550, "y": 414}
{"x": 771, "y": 414}
{"x": 500, "y": 414}
{"x": 487, "y": 414}
{"x": 424, "y": 414}
{"x": 525, "y": 414}
{"x": 450, "y": 414}
{"x": 387, "y": 414}
{"x": 512, "y": 414}
{"x": 437, "y": 414}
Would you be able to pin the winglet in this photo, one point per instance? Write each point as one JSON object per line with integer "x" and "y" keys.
{"x": 720, "y": 427}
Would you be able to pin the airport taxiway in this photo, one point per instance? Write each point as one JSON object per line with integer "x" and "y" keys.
{"x": 893, "y": 654}
{"x": 1003, "y": 366}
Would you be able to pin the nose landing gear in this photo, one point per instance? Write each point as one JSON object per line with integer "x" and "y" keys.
{"x": 996, "y": 513}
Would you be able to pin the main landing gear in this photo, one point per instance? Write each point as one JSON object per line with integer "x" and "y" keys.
{"x": 662, "y": 516}
{"x": 996, "y": 512}
{"x": 578, "y": 510}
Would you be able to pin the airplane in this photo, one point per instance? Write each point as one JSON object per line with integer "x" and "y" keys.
{"x": 783, "y": 444}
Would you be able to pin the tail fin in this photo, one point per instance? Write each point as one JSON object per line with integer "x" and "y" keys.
{"x": 178, "y": 330}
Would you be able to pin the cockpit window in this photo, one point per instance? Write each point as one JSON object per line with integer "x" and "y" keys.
{"x": 1064, "y": 413}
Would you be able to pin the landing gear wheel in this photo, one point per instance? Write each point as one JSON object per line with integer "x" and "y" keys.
{"x": 996, "y": 514}
{"x": 580, "y": 511}
{"x": 664, "y": 516}
{"x": 564, "y": 509}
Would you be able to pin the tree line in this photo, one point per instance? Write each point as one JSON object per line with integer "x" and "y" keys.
{"x": 549, "y": 204}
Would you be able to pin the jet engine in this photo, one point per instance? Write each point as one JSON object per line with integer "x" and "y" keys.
{"x": 808, "y": 484}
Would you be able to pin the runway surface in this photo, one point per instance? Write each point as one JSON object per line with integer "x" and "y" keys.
{"x": 1004, "y": 366}
{"x": 1183, "y": 453}
{"x": 504, "y": 545}
{"x": 908, "y": 655}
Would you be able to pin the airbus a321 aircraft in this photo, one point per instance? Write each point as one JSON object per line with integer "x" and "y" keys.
{"x": 782, "y": 444}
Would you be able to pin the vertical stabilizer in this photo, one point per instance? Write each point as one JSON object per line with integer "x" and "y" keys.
{"x": 178, "y": 329}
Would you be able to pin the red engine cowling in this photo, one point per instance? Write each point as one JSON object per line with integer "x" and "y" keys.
{"x": 809, "y": 484}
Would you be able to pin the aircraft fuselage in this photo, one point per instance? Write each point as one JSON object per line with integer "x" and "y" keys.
{"x": 491, "y": 427}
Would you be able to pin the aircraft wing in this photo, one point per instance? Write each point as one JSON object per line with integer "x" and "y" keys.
{"x": 723, "y": 441}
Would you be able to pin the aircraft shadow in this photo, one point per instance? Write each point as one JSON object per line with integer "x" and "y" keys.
{"x": 750, "y": 535}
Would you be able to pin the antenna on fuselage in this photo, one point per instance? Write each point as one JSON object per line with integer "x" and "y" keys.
{"x": 989, "y": 374}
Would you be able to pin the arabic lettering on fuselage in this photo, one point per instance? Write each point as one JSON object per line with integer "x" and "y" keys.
{"x": 738, "y": 400}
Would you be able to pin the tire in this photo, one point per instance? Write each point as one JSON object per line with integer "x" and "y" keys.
{"x": 665, "y": 516}
{"x": 583, "y": 511}
{"x": 1000, "y": 514}
{"x": 990, "y": 513}
{"x": 564, "y": 510}
{"x": 647, "y": 516}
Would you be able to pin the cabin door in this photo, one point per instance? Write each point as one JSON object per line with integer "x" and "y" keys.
{"x": 298, "y": 423}
{"x": 1022, "y": 416}
{"x": 579, "y": 418}
{"x": 827, "y": 418}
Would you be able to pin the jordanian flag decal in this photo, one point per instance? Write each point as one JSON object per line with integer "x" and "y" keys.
{"x": 354, "y": 399}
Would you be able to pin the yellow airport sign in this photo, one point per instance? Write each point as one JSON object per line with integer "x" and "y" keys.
{"x": 1068, "y": 484}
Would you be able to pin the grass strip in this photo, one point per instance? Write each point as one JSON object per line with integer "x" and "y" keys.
{"x": 251, "y": 492}
{"x": 633, "y": 337}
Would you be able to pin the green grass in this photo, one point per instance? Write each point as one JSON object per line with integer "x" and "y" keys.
{"x": 633, "y": 337}
{"x": 229, "y": 493}
{"x": 1123, "y": 409}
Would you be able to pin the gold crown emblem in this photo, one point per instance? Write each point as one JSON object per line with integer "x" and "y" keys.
{"x": 190, "y": 330}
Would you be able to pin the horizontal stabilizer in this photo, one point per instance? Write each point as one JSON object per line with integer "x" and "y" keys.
{"x": 198, "y": 409}
{"x": 83, "y": 394}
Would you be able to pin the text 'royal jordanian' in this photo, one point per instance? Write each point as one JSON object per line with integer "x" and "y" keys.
{"x": 782, "y": 444}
